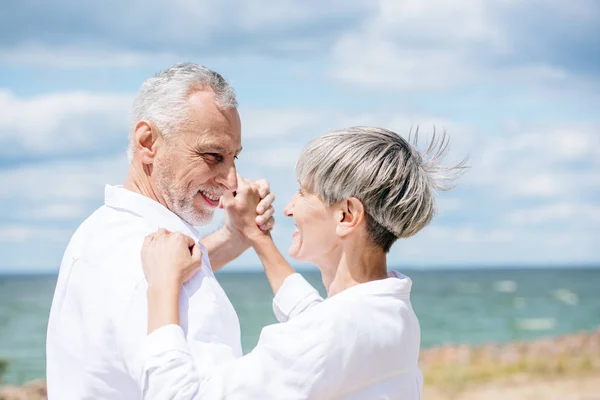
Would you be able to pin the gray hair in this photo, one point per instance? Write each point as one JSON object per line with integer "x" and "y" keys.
{"x": 394, "y": 181}
{"x": 163, "y": 98}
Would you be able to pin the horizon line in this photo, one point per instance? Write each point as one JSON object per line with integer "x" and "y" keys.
{"x": 308, "y": 268}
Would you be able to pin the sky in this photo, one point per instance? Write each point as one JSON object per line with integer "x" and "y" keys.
{"x": 516, "y": 85}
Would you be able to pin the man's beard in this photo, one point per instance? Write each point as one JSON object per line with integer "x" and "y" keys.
{"x": 181, "y": 201}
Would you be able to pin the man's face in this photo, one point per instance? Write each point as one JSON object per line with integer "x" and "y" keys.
{"x": 196, "y": 166}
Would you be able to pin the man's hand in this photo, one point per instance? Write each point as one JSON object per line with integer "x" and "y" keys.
{"x": 229, "y": 242}
{"x": 262, "y": 213}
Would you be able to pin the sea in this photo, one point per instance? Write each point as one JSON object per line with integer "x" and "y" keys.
{"x": 454, "y": 306}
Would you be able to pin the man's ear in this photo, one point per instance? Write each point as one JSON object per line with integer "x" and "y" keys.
{"x": 146, "y": 140}
{"x": 351, "y": 213}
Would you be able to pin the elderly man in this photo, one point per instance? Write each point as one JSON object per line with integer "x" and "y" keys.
{"x": 183, "y": 142}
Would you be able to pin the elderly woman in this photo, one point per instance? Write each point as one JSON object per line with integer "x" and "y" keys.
{"x": 361, "y": 189}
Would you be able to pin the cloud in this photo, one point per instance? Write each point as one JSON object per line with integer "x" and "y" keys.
{"x": 30, "y": 233}
{"x": 62, "y": 124}
{"x": 384, "y": 45}
{"x": 443, "y": 245}
{"x": 77, "y": 180}
{"x": 563, "y": 211}
{"x": 41, "y": 205}
{"x": 555, "y": 162}
{"x": 70, "y": 56}
{"x": 183, "y": 28}
{"x": 436, "y": 45}
{"x": 57, "y": 210}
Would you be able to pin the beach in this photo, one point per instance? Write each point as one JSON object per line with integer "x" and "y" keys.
{"x": 566, "y": 367}
{"x": 585, "y": 387}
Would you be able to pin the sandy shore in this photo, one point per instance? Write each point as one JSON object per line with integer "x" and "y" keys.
{"x": 524, "y": 388}
{"x": 556, "y": 368}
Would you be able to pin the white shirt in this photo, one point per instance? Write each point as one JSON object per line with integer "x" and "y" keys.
{"x": 362, "y": 343}
{"x": 98, "y": 319}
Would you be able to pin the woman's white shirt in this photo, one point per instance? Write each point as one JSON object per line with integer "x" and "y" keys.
{"x": 362, "y": 343}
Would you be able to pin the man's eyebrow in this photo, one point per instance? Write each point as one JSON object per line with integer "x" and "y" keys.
{"x": 215, "y": 148}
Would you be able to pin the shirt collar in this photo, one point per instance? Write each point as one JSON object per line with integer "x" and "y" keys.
{"x": 118, "y": 197}
{"x": 396, "y": 284}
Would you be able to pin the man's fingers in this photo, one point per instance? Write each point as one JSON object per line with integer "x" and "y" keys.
{"x": 251, "y": 185}
{"x": 241, "y": 183}
{"x": 263, "y": 187}
{"x": 265, "y": 204}
{"x": 226, "y": 199}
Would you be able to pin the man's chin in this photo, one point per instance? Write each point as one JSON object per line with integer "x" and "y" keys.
{"x": 198, "y": 218}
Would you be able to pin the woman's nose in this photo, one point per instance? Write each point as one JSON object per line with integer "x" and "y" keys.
{"x": 288, "y": 210}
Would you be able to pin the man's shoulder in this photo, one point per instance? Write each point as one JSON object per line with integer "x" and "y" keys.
{"x": 110, "y": 225}
{"x": 109, "y": 237}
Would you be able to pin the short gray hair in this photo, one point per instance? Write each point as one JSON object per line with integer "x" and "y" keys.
{"x": 163, "y": 98}
{"x": 394, "y": 181}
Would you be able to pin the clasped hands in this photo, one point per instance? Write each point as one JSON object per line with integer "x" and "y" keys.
{"x": 171, "y": 258}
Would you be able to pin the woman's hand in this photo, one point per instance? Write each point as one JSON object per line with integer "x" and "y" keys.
{"x": 242, "y": 210}
{"x": 168, "y": 259}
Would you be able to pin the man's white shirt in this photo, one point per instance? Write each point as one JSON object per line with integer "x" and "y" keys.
{"x": 98, "y": 320}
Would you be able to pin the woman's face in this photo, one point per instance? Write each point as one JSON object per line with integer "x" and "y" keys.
{"x": 315, "y": 235}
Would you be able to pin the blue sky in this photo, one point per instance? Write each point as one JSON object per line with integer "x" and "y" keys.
{"x": 515, "y": 84}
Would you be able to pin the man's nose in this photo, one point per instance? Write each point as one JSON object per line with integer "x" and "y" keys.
{"x": 229, "y": 178}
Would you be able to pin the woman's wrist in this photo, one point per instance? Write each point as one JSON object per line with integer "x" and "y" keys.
{"x": 163, "y": 304}
{"x": 260, "y": 239}
{"x": 167, "y": 287}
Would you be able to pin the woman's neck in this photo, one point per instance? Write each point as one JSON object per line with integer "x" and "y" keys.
{"x": 357, "y": 264}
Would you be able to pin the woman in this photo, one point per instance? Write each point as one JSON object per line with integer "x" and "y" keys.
{"x": 361, "y": 189}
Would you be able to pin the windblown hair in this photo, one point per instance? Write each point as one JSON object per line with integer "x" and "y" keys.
{"x": 394, "y": 181}
{"x": 164, "y": 98}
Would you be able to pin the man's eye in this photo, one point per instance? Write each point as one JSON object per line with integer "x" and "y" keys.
{"x": 213, "y": 157}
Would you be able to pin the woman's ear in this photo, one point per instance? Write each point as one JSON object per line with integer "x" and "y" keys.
{"x": 351, "y": 213}
{"x": 146, "y": 141}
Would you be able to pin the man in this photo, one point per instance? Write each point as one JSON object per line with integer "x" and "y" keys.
{"x": 183, "y": 142}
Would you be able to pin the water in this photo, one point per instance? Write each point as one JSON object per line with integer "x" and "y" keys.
{"x": 453, "y": 306}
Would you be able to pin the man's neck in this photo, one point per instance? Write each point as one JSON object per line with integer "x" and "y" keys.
{"x": 138, "y": 181}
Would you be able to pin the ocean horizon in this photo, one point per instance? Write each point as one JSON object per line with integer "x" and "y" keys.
{"x": 308, "y": 268}
{"x": 454, "y": 305}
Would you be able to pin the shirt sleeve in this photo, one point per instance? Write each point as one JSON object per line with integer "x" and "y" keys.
{"x": 288, "y": 363}
{"x": 131, "y": 332}
{"x": 294, "y": 296}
